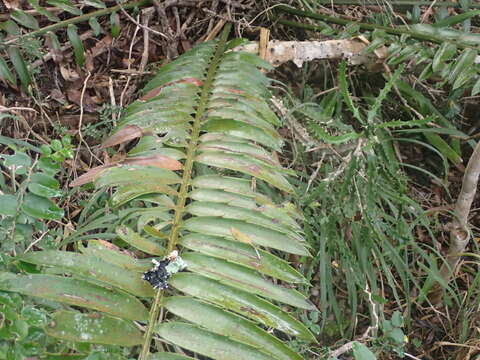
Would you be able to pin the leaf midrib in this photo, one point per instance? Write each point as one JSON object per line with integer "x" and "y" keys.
{"x": 186, "y": 180}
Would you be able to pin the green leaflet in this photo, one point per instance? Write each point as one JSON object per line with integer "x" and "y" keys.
{"x": 241, "y": 302}
{"x": 91, "y": 268}
{"x": 244, "y": 254}
{"x": 228, "y": 324}
{"x": 75, "y": 292}
{"x": 139, "y": 242}
{"x": 210, "y": 225}
{"x": 207, "y": 343}
{"x": 243, "y": 278}
{"x": 95, "y": 328}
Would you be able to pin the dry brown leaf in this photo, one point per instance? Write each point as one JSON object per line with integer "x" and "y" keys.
{"x": 156, "y": 91}
{"x": 127, "y": 133}
{"x": 89, "y": 176}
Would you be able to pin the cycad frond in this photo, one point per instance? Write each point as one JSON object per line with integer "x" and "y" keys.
{"x": 207, "y": 112}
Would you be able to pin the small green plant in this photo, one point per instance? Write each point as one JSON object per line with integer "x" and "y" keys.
{"x": 28, "y": 188}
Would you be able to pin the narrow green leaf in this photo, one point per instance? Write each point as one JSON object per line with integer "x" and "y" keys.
{"x": 243, "y": 278}
{"x": 75, "y": 292}
{"x": 24, "y": 19}
{"x": 241, "y": 302}
{"x": 20, "y": 66}
{"x": 252, "y": 216}
{"x": 77, "y": 44}
{"x": 41, "y": 208}
{"x": 66, "y": 5}
{"x": 476, "y": 87}
{"x": 464, "y": 77}
{"x": 228, "y": 324}
{"x": 245, "y": 165}
{"x": 139, "y": 242}
{"x": 91, "y": 267}
{"x": 344, "y": 90}
{"x": 94, "y": 24}
{"x": 168, "y": 356}
{"x": 206, "y": 343}
{"x": 243, "y": 254}
{"x": 244, "y": 131}
{"x": 257, "y": 234}
{"x": 110, "y": 253}
{"x": 114, "y": 24}
{"x": 464, "y": 62}
{"x": 444, "y": 53}
{"x": 127, "y": 193}
{"x": 5, "y": 73}
{"x": 99, "y": 4}
{"x": 442, "y": 146}
{"x": 95, "y": 328}
{"x": 135, "y": 175}
{"x": 453, "y": 20}
{"x": 42, "y": 11}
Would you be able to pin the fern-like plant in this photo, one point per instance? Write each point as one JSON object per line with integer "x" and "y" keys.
{"x": 206, "y": 140}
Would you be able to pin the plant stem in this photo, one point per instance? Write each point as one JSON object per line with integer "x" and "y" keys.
{"x": 460, "y": 233}
{"x": 186, "y": 179}
{"x": 81, "y": 18}
{"x": 365, "y": 26}
{"x": 394, "y": 3}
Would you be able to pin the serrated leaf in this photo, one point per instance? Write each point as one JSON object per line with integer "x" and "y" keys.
{"x": 95, "y": 328}
{"x": 77, "y": 44}
{"x": 91, "y": 267}
{"x": 75, "y": 292}
{"x": 41, "y": 208}
{"x": 20, "y": 66}
{"x": 241, "y": 302}
{"x": 24, "y": 19}
{"x": 228, "y": 324}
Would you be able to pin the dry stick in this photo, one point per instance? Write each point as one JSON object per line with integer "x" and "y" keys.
{"x": 460, "y": 233}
